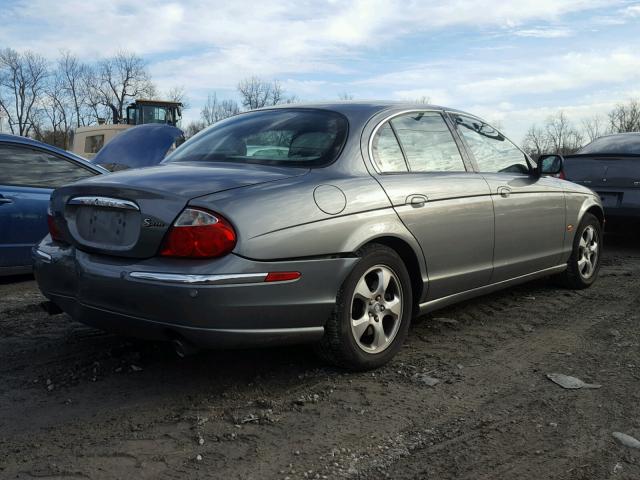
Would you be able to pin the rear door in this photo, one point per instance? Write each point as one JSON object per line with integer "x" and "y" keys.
{"x": 27, "y": 177}
{"x": 529, "y": 210}
{"x": 445, "y": 206}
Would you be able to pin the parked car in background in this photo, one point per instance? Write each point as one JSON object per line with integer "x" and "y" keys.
{"x": 376, "y": 212}
{"x": 138, "y": 147}
{"x": 29, "y": 171}
{"x": 610, "y": 165}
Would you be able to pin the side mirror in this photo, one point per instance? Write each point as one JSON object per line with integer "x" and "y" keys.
{"x": 549, "y": 165}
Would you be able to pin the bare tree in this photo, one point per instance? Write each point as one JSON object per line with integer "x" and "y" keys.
{"x": 55, "y": 114}
{"x": 563, "y": 138}
{"x": 593, "y": 127}
{"x": 258, "y": 93}
{"x": 22, "y": 81}
{"x": 119, "y": 79}
{"x": 194, "y": 127}
{"x": 73, "y": 76}
{"x": 177, "y": 94}
{"x": 625, "y": 117}
{"x": 215, "y": 110}
{"x": 536, "y": 142}
{"x": 345, "y": 96}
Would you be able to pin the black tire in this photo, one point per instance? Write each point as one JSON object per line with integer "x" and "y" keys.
{"x": 339, "y": 345}
{"x": 572, "y": 277}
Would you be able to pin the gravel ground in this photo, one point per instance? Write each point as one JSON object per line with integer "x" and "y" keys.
{"x": 79, "y": 403}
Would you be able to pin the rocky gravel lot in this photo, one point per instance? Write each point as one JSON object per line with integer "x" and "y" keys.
{"x": 467, "y": 398}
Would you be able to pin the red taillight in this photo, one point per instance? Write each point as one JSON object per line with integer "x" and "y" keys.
{"x": 281, "y": 276}
{"x": 199, "y": 234}
{"x": 54, "y": 230}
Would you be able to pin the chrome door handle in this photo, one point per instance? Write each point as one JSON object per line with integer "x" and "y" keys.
{"x": 504, "y": 191}
{"x": 5, "y": 200}
{"x": 417, "y": 201}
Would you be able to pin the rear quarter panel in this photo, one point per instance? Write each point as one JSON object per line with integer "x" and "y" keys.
{"x": 282, "y": 220}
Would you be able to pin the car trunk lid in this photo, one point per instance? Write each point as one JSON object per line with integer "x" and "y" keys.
{"x": 128, "y": 213}
{"x": 603, "y": 171}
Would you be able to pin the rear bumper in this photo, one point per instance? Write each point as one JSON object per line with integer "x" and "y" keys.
{"x": 622, "y": 212}
{"x": 623, "y": 203}
{"x": 218, "y": 303}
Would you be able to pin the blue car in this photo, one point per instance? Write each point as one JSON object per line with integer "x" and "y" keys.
{"x": 29, "y": 171}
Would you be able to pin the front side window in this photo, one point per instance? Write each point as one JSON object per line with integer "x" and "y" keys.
{"x": 287, "y": 137}
{"x": 427, "y": 143}
{"x": 493, "y": 152}
{"x": 28, "y": 167}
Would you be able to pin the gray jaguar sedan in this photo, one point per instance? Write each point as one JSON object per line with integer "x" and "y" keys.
{"x": 330, "y": 224}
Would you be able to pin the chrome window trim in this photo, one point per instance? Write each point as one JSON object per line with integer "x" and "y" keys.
{"x": 186, "y": 279}
{"x": 404, "y": 112}
{"x": 451, "y": 113}
{"x": 108, "y": 202}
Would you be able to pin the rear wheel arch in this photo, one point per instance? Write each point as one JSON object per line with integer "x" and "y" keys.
{"x": 410, "y": 259}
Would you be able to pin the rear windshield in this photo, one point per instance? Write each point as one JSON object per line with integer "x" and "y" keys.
{"x": 294, "y": 137}
{"x": 626, "y": 144}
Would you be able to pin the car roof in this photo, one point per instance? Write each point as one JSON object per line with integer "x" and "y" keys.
{"x": 18, "y": 140}
{"x": 364, "y": 106}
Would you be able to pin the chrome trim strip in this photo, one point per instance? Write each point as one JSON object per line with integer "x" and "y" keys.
{"x": 226, "y": 279}
{"x": 266, "y": 331}
{"x": 108, "y": 202}
{"x": 457, "y": 297}
{"x": 42, "y": 255}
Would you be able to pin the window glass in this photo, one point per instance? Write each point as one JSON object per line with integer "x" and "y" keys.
{"x": 154, "y": 114}
{"x": 626, "y": 143}
{"x": 293, "y": 137}
{"x": 386, "y": 151}
{"x": 492, "y": 151}
{"x": 34, "y": 168}
{"x": 428, "y": 143}
{"x": 93, "y": 143}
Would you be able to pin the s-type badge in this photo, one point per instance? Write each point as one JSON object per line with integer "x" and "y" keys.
{"x": 152, "y": 222}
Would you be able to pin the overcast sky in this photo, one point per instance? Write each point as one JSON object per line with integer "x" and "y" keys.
{"x": 514, "y": 62}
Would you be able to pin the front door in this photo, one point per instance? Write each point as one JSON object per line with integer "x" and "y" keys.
{"x": 529, "y": 210}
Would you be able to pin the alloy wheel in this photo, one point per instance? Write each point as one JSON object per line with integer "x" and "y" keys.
{"x": 588, "y": 251}
{"x": 376, "y": 309}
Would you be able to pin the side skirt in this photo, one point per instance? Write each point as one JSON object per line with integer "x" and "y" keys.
{"x": 476, "y": 292}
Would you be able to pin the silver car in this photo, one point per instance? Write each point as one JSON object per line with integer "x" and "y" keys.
{"x": 332, "y": 224}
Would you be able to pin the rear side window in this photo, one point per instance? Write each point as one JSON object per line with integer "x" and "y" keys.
{"x": 386, "y": 151}
{"x": 427, "y": 143}
{"x": 493, "y": 152}
{"x": 28, "y": 167}
{"x": 416, "y": 142}
{"x": 287, "y": 137}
